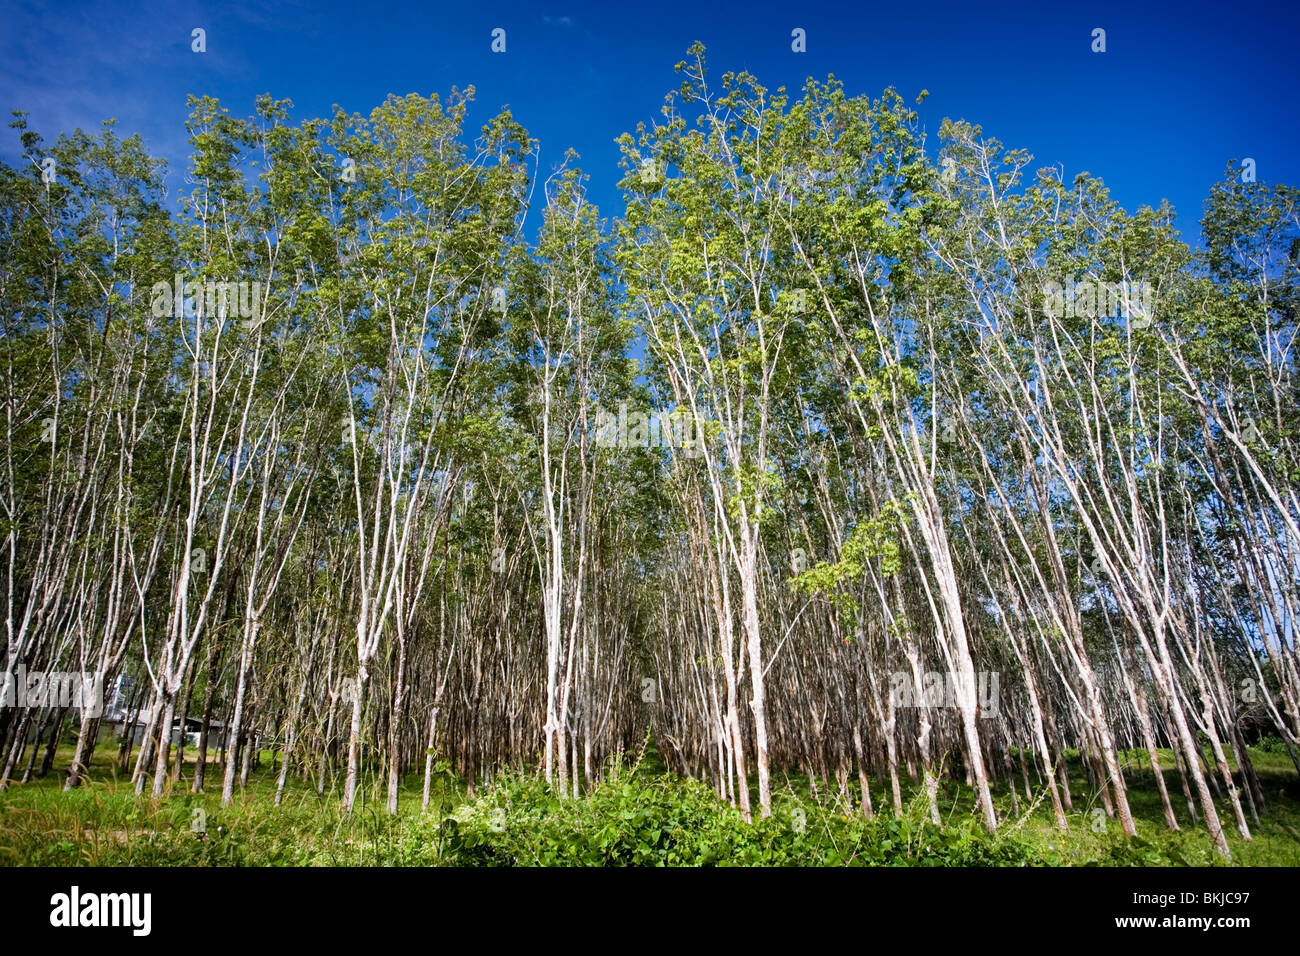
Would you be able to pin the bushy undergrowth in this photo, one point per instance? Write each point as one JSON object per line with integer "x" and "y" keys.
{"x": 1272, "y": 744}
{"x": 640, "y": 816}
{"x": 658, "y": 821}
{"x": 632, "y": 820}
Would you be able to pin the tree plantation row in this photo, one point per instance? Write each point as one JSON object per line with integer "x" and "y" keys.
{"x": 415, "y": 462}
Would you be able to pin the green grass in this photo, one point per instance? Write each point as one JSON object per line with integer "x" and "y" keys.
{"x": 1275, "y": 840}
{"x": 640, "y": 816}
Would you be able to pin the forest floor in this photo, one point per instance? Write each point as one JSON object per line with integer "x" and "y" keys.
{"x": 640, "y": 815}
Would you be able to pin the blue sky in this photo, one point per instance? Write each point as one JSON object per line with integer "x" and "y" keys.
{"x": 1181, "y": 89}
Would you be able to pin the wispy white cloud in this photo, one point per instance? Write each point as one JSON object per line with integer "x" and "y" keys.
{"x": 73, "y": 66}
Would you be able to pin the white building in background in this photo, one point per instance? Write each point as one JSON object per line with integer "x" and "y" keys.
{"x": 117, "y": 726}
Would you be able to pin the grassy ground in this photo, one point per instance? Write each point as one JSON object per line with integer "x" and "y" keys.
{"x": 639, "y": 816}
{"x": 1275, "y": 839}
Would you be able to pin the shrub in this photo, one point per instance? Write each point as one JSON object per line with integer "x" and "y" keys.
{"x": 639, "y": 820}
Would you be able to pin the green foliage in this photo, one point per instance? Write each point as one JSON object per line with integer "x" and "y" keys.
{"x": 642, "y": 820}
{"x": 639, "y": 816}
{"x": 870, "y": 539}
{"x": 1272, "y": 744}
{"x": 797, "y": 269}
